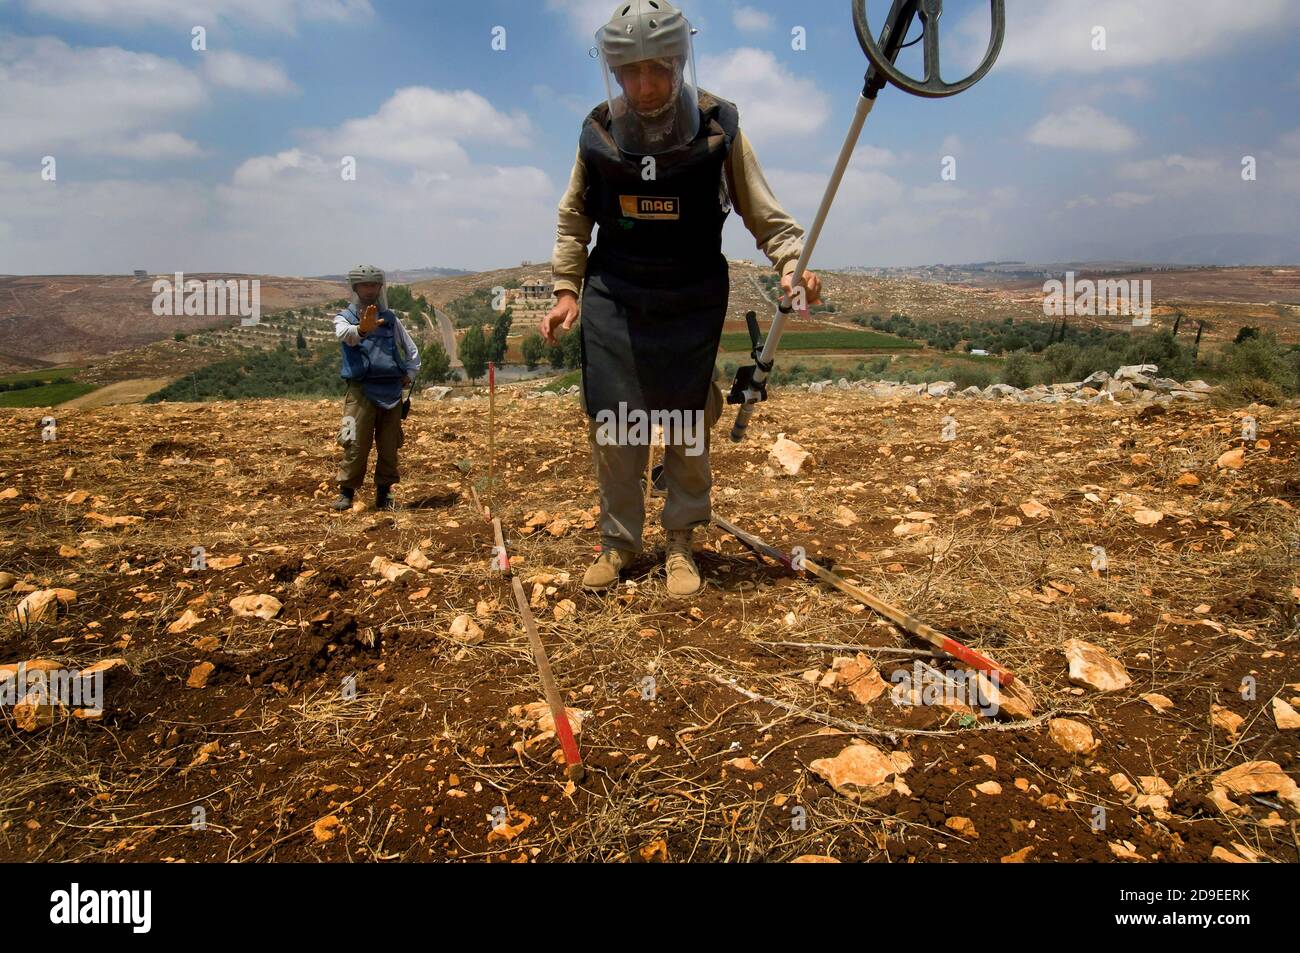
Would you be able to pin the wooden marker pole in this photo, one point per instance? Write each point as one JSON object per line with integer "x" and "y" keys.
{"x": 492, "y": 431}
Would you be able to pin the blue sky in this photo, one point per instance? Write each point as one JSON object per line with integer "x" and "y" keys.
{"x": 228, "y": 159}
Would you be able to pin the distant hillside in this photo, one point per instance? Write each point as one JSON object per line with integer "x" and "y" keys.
{"x": 1225, "y": 249}
{"x": 58, "y": 319}
{"x": 407, "y": 276}
{"x": 1222, "y": 249}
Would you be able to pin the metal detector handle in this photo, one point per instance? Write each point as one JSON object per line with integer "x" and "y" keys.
{"x": 755, "y": 332}
{"x": 894, "y": 33}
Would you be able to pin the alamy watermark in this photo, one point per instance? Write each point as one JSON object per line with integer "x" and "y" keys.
{"x": 926, "y": 685}
{"x": 129, "y": 907}
{"x": 638, "y": 428}
{"x": 1093, "y": 298}
{"x": 60, "y": 686}
{"x": 214, "y": 298}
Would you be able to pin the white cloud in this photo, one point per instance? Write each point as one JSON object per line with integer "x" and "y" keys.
{"x": 751, "y": 20}
{"x": 284, "y": 15}
{"x": 572, "y": 102}
{"x": 1125, "y": 200}
{"x": 1169, "y": 169}
{"x": 109, "y": 225}
{"x": 584, "y": 16}
{"x": 153, "y": 146}
{"x": 775, "y": 104}
{"x": 879, "y": 218}
{"x": 89, "y": 99}
{"x": 419, "y": 197}
{"x": 423, "y": 125}
{"x": 296, "y": 210}
{"x": 867, "y": 156}
{"x": 939, "y": 193}
{"x": 1082, "y": 128}
{"x": 1284, "y": 163}
{"x": 421, "y": 194}
{"x": 1132, "y": 87}
{"x": 1290, "y": 141}
{"x": 268, "y": 170}
{"x": 1119, "y": 200}
{"x": 1053, "y": 36}
{"x": 248, "y": 74}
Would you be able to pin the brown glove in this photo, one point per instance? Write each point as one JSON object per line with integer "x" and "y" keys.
{"x": 368, "y": 322}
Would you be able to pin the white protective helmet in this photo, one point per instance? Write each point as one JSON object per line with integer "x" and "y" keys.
{"x": 365, "y": 273}
{"x": 647, "y": 57}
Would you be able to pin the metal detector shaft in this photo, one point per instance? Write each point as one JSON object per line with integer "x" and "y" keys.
{"x": 750, "y": 387}
{"x": 754, "y": 543}
{"x": 753, "y": 392}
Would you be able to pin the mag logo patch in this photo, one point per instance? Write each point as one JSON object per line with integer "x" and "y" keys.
{"x": 651, "y": 207}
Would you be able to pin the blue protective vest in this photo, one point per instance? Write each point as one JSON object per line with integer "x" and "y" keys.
{"x": 375, "y": 363}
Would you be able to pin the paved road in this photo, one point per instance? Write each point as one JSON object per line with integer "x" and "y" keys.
{"x": 448, "y": 332}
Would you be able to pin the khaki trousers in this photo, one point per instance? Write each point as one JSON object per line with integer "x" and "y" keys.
{"x": 374, "y": 425}
{"x": 620, "y": 470}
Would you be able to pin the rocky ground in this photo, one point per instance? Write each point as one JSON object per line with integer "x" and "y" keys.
{"x": 303, "y": 696}
{"x": 1139, "y": 384}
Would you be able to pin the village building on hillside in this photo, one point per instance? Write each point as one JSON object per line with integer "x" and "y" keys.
{"x": 534, "y": 296}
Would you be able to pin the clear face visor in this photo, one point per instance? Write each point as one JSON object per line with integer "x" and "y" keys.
{"x": 381, "y": 304}
{"x": 654, "y": 104}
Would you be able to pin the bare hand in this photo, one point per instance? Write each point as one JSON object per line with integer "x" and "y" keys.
{"x": 369, "y": 321}
{"x": 563, "y": 315}
{"x": 812, "y": 284}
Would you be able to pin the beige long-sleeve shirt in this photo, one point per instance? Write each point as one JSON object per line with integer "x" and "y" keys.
{"x": 777, "y": 235}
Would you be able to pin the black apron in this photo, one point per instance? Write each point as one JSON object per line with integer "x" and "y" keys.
{"x": 656, "y": 291}
{"x": 650, "y": 346}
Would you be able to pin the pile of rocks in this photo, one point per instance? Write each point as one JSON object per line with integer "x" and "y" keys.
{"x": 440, "y": 393}
{"x": 534, "y": 395}
{"x": 1137, "y": 383}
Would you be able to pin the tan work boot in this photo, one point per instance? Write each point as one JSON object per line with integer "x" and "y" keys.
{"x": 603, "y": 573}
{"x": 683, "y": 576}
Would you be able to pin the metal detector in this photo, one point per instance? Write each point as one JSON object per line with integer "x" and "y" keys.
{"x": 750, "y": 385}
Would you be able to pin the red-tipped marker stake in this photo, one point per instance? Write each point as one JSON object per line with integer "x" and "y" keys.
{"x": 908, "y": 622}
{"x": 492, "y": 431}
{"x": 573, "y": 759}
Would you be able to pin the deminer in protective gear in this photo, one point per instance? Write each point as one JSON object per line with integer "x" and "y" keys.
{"x": 660, "y": 165}
{"x": 379, "y": 361}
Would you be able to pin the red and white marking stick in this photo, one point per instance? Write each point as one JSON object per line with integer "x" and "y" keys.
{"x": 492, "y": 431}
{"x": 906, "y": 620}
{"x": 568, "y": 744}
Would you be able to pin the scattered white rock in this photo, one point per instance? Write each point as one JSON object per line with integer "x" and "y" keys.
{"x": 788, "y": 455}
{"x": 256, "y": 606}
{"x": 465, "y": 629}
{"x": 1092, "y": 668}
{"x": 863, "y": 772}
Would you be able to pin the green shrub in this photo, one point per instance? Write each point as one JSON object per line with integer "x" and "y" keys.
{"x": 1261, "y": 358}
{"x": 971, "y": 375}
{"x": 534, "y": 349}
{"x": 1252, "y": 390}
{"x": 1018, "y": 370}
{"x": 435, "y": 365}
{"x": 473, "y": 351}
